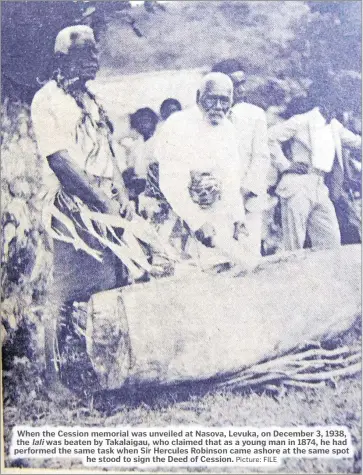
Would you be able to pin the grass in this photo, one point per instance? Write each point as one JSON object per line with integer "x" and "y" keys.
{"x": 339, "y": 405}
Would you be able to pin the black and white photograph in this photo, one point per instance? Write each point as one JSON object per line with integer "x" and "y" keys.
{"x": 181, "y": 236}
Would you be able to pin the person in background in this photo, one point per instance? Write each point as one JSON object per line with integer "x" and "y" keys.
{"x": 276, "y": 102}
{"x": 150, "y": 202}
{"x": 272, "y": 98}
{"x": 317, "y": 140}
{"x": 142, "y": 175}
{"x": 251, "y": 130}
{"x": 168, "y": 107}
{"x": 74, "y": 138}
{"x": 142, "y": 178}
{"x": 200, "y": 170}
{"x": 348, "y": 203}
{"x": 144, "y": 121}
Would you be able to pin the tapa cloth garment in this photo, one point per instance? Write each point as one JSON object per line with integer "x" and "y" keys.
{"x": 199, "y": 326}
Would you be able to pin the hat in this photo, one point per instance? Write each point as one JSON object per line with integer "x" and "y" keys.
{"x": 72, "y": 35}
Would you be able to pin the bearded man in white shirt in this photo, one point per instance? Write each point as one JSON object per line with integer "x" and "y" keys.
{"x": 200, "y": 169}
{"x": 316, "y": 146}
{"x": 251, "y": 130}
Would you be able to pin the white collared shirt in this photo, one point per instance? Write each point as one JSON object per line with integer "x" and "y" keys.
{"x": 314, "y": 141}
{"x": 322, "y": 142}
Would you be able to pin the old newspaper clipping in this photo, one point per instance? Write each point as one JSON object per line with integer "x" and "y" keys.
{"x": 181, "y": 236}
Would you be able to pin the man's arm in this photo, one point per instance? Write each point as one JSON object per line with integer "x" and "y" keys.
{"x": 279, "y": 133}
{"x": 174, "y": 184}
{"x": 75, "y": 181}
{"x": 256, "y": 176}
{"x": 119, "y": 185}
{"x": 174, "y": 175}
{"x": 349, "y": 139}
{"x": 52, "y": 133}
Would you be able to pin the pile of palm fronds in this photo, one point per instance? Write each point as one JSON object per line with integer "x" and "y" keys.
{"x": 312, "y": 366}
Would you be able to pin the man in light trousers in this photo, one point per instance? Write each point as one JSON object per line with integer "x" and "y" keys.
{"x": 317, "y": 139}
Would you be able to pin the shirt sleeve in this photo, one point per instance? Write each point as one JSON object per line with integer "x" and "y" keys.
{"x": 255, "y": 179}
{"x": 284, "y": 131}
{"x": 139, "y": 160}
{"x": 51, "y": 133}
{"x": 174, "y": 178}
{"x": 279, "y": 133}
{"x": 232, "y": 196}
{"x": 349, "y": 139}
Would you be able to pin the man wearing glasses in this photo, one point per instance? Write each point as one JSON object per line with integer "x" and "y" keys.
{"x": 200, "y": 170}
{"x": 251, "y": 129}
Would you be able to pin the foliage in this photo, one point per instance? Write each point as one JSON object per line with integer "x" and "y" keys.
{"x": 23, "y": 258}
{"x": 327, "y": 47}
{"x": 28, "y": 33}
{"x": 290, "y": 39}
{"x": 252, "y": 31}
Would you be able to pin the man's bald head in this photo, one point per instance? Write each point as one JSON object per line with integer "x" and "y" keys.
{"x": 214, "y": 96}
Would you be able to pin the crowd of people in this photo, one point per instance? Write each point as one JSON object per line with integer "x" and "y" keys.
{"x": 213, "y": 180}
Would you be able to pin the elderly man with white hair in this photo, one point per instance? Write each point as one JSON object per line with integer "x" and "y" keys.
{"x": 81, "y": 176}
{"x": 200, "y": 171}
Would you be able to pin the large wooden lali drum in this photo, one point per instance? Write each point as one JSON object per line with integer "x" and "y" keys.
{"x": 196, "y": 326}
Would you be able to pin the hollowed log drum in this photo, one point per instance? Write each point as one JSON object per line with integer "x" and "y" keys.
{"x": 197, "y": 326}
